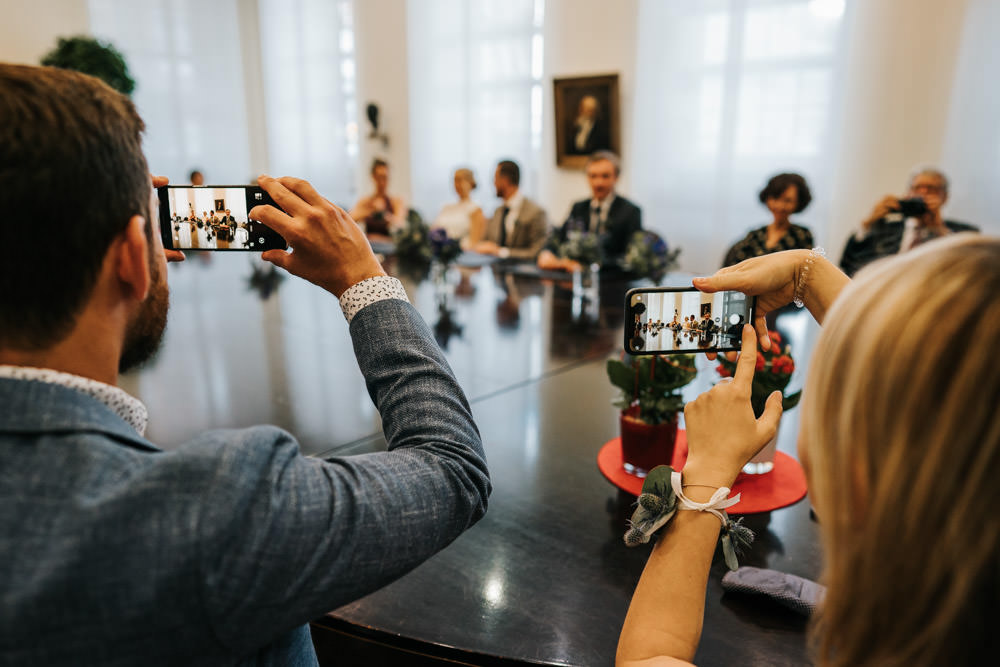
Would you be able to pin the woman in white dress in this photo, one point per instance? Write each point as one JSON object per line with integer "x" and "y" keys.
{"x": 462, "y": 220}
{"x": 240, "y": 237}
{"x": 183, "y": 233}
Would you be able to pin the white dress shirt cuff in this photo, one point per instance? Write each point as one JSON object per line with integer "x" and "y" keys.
{"x": 369, "y": 291}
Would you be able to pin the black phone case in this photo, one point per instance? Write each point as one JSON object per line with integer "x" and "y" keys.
{"x": 261, "y": 237}
{"x": 647, "y": 290}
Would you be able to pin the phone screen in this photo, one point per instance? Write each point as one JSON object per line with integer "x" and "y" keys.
{"x": 674, "y": 320}
{"x": 214, "y": 217}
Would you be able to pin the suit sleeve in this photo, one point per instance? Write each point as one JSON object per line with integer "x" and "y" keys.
{"x": 538, "y": 228}
{"x": 286, "y": 538}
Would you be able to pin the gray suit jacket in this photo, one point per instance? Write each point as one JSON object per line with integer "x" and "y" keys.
{"x": 114, "y": 552}
{"x": 530, "y": 230}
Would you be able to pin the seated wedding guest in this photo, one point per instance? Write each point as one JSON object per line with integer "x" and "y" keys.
{"x": 519, "y": 227}
{"x": 897, "y": 225}
{"x": 606, "y": 213}
{"x": 380, "y": 212}
{"x": 900, "y": 441}
{"x": 221, "y": 550}
{"x": 784, "y": 195}
{"x": 462, "y": 220}
{"x": 196, "y": 177}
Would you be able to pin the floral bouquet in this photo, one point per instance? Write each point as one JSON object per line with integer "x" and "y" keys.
{"x": 648, "y": 256}
{"x": 413, "y": 240}
{"x": 653, "y": 383}
{"x": 581, "y": 246}
{"x": 773, "y": 372}
{"x": 443, "y": 248}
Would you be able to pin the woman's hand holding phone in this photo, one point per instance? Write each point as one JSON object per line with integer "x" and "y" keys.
{"x": 722, "y": 431}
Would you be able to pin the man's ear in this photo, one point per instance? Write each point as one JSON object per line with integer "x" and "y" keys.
{"x": 132, "y": 260}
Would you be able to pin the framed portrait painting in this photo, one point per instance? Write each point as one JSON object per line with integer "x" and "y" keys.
{"x": 587, "y": 117}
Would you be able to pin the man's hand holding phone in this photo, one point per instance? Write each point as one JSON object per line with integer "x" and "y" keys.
{"x": 327, "y": 247}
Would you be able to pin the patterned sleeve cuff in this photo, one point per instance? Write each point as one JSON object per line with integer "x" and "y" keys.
{"x": 369, "y": 291}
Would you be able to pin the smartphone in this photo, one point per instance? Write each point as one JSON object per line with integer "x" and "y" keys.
{"x": 214, "y": 217}
{"x": 682, "y": 320}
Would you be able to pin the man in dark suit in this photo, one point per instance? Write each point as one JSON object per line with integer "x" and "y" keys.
{"x": 606, "y": 213}
{"x": 519, "y": 227}
{"x": 889, "y": 231}
{"x": 220, "y": 551}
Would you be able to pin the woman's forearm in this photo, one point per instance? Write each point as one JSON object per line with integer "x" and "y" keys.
{"x": 668, "y": 606}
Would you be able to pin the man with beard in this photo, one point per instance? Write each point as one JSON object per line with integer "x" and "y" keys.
{"x": 219, "y": 552}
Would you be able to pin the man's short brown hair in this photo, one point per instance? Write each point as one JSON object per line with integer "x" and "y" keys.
{"x": 72, "y": 174}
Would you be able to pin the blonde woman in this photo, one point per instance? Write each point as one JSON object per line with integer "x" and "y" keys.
{"x": 900, "y": 440}
{"x": 464, "y": 219}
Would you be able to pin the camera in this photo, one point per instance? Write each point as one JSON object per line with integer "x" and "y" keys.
{"x": 914, "y": 207}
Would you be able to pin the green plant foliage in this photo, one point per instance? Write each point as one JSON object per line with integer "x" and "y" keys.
{"x": 581, "y": 246}
{"x": 90, "y": 56}
{"x": 652, "y": 382}
{"x": 413, "y": 240}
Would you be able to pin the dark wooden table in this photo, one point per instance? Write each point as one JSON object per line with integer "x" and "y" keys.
{"x": 544, "y": 578}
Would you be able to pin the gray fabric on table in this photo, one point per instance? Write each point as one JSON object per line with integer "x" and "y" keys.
{"x": 798, "y": 594}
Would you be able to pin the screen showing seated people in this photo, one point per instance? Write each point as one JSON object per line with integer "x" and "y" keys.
{"x": 678, "y": 320}
{"x": 214, "y": 217}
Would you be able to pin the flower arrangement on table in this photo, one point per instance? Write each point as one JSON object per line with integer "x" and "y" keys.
{"x": 412, "y": 240}
{"x": 650, "y": 385}
{"x": 444, "y": 248}
{"x": 581, "y": 246}
{"x": 773, "y": 372}
{"x": 648, "y": 256}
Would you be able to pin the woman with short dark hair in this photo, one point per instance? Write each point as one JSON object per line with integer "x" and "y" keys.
{"x": 783, "y": 195}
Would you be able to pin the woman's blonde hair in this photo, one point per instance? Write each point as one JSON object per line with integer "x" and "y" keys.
{"x": 901, "y": 437}
{"x": 467, "y": 175}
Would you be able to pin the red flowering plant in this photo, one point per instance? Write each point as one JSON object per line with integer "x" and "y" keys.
{"x": 772, "y": 373}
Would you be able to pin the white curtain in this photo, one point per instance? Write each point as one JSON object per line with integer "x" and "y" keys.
{"x": 192, "y": 61}
{"x": 185, "y": 56}
{"x": 729, "y": 93}
{"x": 971, "y": 155}
{"x": 475, "y": 70}
{"x": 308, "y": 67}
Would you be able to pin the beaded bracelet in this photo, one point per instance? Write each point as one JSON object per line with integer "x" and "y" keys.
{"x": 804, "y": 275}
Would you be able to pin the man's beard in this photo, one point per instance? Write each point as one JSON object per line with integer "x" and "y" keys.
{"x": 145, "y": 332}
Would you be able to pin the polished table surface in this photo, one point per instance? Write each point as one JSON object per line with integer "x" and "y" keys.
{"x": 544, "y": 577}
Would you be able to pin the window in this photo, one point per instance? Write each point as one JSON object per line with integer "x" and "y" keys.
{"x": 729, "y": 93}
{"x": 475, "y": 70}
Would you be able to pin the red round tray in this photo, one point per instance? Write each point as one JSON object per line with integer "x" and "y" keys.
{"x": 784, "y": 485}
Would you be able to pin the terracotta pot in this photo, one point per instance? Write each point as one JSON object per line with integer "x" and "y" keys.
{"x": 645, "y": 446}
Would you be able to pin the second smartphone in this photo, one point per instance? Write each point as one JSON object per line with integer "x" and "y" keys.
{"x": 214, "y": 217}
{"x": 681, "y": 320}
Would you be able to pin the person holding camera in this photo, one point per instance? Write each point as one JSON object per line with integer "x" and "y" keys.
{"x": 900, "y": 224}
{"x": 221, "y": 550}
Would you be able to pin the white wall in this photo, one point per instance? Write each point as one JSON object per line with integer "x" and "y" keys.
{"x": 29, "y": 30}
{"x": 380, "y": 49}
{"x": 585, "y": 37}
{"x": 898, "y": 83}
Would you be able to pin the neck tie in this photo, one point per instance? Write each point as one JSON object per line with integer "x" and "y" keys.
{"x": 595, "y": 219}
{"x": 503, "y": 226}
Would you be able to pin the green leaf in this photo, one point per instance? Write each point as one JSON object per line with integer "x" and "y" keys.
{"x": 729, "y": 553}
{"x": 791, "y": 400}
{"x": 622, "y": 376}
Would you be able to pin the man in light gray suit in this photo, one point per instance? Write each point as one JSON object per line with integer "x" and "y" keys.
{"x": 519, "y": 227}
{"x": 115, "y": 552}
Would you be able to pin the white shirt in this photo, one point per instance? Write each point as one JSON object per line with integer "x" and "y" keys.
{"x": 605, "y": 207}
{"x": 584, "y": 126}
{"x": 514, "y": 210}
{"x": 126, "y": 406}
{"x": 456, "y": 218}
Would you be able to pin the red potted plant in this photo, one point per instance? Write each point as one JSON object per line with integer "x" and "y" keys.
{"x": 649, "y": 403}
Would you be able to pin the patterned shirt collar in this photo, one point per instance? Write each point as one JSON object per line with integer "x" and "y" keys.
{"x": 128, "y": 407}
